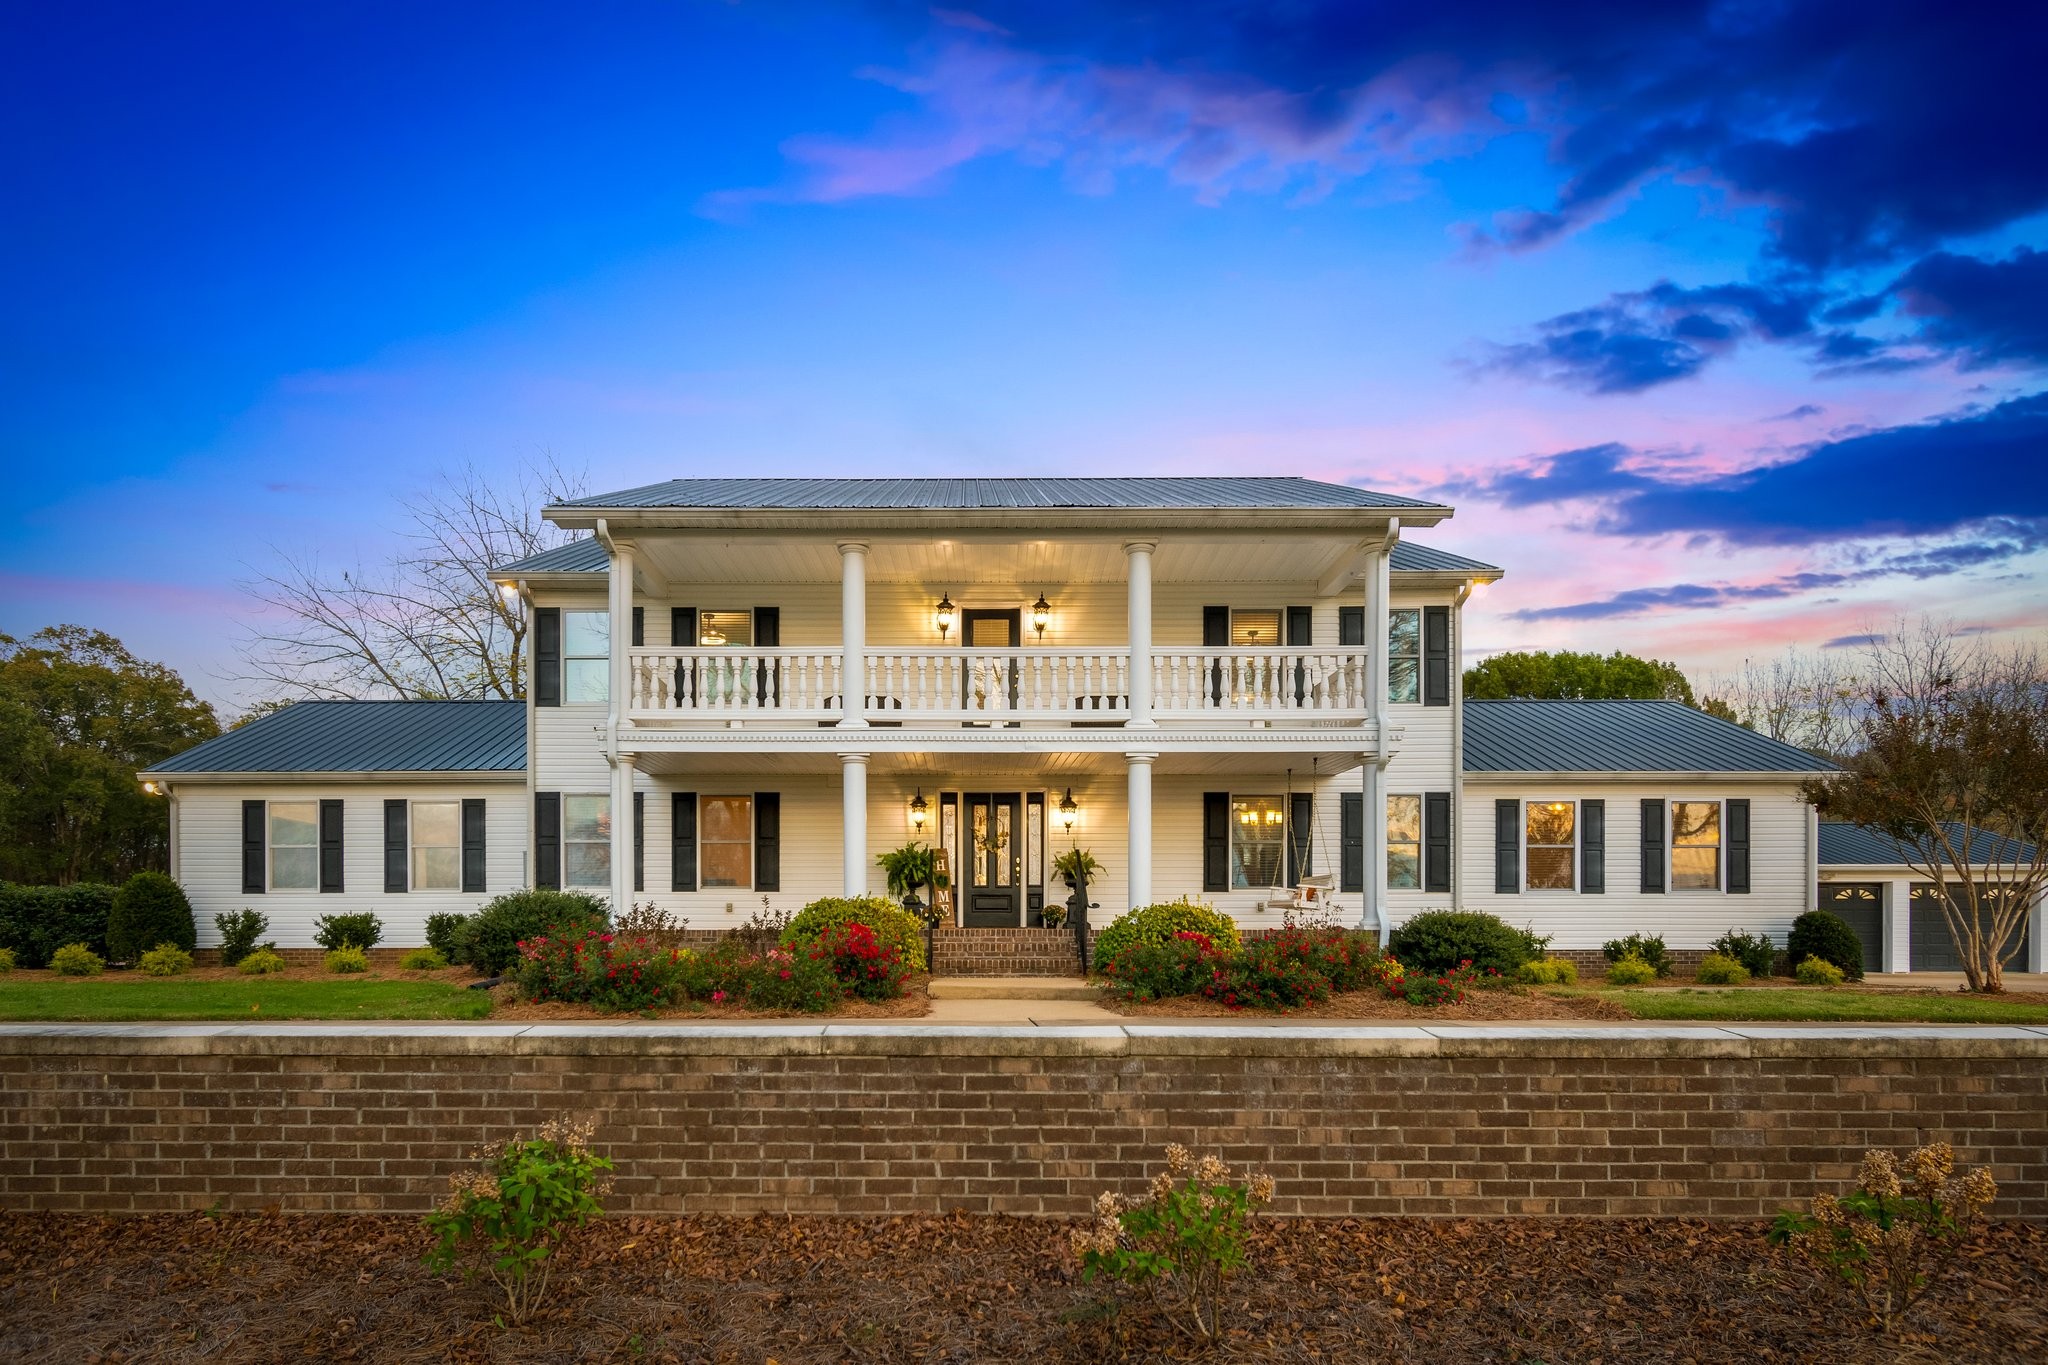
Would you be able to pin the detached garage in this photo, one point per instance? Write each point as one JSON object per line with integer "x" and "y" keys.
{"x": 1866, "y": 879}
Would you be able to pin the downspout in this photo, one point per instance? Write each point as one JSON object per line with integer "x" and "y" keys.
{"x": 1458, "y": 740}
{"x": 1379, "y": 594}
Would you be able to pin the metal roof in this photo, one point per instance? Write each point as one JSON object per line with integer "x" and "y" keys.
{"x": 585, "y": 555}
{"x": 1258, "y": 493}
{"x": 367, "y": 737}
{"x": 1618, "y": 737}
{"x": 1843, "y": 844}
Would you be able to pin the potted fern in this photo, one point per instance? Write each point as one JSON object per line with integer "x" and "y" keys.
{"x": 1073, "y": 862}
{"x": 910, "y": 867}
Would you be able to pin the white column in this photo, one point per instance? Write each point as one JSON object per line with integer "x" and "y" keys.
{"x": 2036, "y": 959}
{"x": 1138, "y": 559}
{"x": 853, "y": 799}
{"x": 620, "y": 583}
{"x": 1374, "y": 880}
{"x": 1139, "y": 883}
{"x": 1373, "y": 786}
{"x": 622, "y": 833}
{"x": 1898, "y": 922}
{"x": 853, "y": 635}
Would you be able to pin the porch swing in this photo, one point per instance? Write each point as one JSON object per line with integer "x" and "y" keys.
{"x": 1311, "y": 891}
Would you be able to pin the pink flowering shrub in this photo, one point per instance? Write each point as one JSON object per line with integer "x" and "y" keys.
{"x": 790, "y": 979}
{"x": 1430, "y": 989}
{"x": 603, "y": 970}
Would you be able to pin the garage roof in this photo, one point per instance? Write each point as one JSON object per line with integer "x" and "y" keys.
{"x": 1846, "y": 845}
{"x": 366, "y": 737}
{"x": 1619, "y": 737}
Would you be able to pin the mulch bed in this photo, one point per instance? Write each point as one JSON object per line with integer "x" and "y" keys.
{"x": 1477, "y": 1006}
{"x": 912, "y": 1004}
{"x": 959, "y": 1289}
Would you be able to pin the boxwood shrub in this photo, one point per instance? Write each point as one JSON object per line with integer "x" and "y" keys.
{"x": 1157, "y": 924}
{"x": 1436, "y": 941}
{"x": 1649, "y": 947}
{"x": 35, "y": 921}
{"x": 355, "y": 929}
{"x": 892, "y": 924}
{"x": 149, "y": 909}
{"x": 1827, "y": 936}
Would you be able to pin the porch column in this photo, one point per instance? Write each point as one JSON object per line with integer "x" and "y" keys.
{"x": 1139, "y": 882}
{"x": 853, "y": 636}
{"x": 620, "y": 624}
{"x": 622, "y": 833}
{"x": 1898, "y": 922}
{"x": 853, "y": 798}
{"x": 1138, "y": 558}
{"x": 1374, "y": 879}
{"x": 1373, "y": 777}
{"x": 2036, "y": 959}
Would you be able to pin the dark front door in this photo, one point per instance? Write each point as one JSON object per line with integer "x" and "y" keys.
{"x": 990, "y": 684}
{"x": 993, "y": 861}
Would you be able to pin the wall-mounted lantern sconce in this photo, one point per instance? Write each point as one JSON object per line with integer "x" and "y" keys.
{"x": 1041, "y": 615}
{"x": 1068, "y": 810}
{"x": 920, "y": 809}
{"x": 944, "y": 613}
{"x": 153, "y": 787}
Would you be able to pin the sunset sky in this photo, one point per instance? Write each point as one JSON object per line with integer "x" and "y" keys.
{"x": 1723, "y": 326}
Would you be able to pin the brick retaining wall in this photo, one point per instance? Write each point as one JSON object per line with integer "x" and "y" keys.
{"x": 881, "y": 1119}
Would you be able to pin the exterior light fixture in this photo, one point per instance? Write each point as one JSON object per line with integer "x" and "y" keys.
{"x": 1068, "y": 810}
{"x": 920, "y": 809}
{"x": 152, "y": 787}
{"x": 945, "y": 614}
{"x": 1041, "y": 615}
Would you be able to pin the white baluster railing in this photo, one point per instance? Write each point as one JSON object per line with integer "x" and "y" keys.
{"x": 1258, "y": 682}
{"x": 702, "y": 684}
{"x": 1008, "y": 684}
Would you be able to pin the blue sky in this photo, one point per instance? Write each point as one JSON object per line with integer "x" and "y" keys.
{"x": 1722, "y": 325}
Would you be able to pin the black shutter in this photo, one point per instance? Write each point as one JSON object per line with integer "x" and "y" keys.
{"x": 330, "y": 845}
{"x": 394, "y": 846}
{"x": 1507, "y": 846}
{"x": 682, "y": 634}
{"x": 1351, "y": 838}
{"x": 1351, "y": 627}
{"x": 639, "y": 841}
{"x": 1593, "y": 847}
{"x": 1736, "y": 832}
{"x": 1301, "y": 853}
{"x": 767, "y": 841}
{"x": 1436, "y": 841}
{"x": 682, "y": 842}
{"x": 1216, "y": 635}
{"x": 1436, "y": 656}
{"x": 639, "y": 626}
{"x": 1301, "y": 630}
{"x": 547, "y": 840}
{"x": 547, "y": 656}
{"x": 767, "y": 635}
{"x": 1215, "y": 841}
{"x": 1653, "y": 847}
{"x": 254, "y": 844}
{"x": 473, "y": 844}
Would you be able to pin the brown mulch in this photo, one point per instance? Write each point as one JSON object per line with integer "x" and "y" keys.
{"x": 929, "y": 1289}
{"x": 914, "y": 1003}
{"x": 1478, "y": 1006}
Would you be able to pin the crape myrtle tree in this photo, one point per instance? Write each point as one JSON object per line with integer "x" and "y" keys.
{"x": 1950, "y": 759}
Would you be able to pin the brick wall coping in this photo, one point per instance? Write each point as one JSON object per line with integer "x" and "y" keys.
{"x": 1731, "y": 1041}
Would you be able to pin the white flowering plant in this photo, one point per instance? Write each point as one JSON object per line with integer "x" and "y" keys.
{"x": 1880, "y": 1238}
{"x": 1182, "y": 1241}
{"x": 506, "y": 1219}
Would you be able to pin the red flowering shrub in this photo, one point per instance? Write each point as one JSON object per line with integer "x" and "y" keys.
{"x": 1351, "y": 960}
{"x": 1182, "y": 965}
{"x": 602, "y": 970}
{"x": 791, "y": 979}
{"x": 1433, "y": 989}
{"x": 866, "y": 966}
{"x": 1268, "y": 974}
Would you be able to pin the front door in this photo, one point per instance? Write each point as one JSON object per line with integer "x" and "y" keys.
{"x": 989, "y": 682}
{"x": 993, "y": 861}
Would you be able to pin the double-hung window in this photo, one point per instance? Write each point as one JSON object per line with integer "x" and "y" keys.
{"x": 586, "y": 656}
{"x": 1257, "y": 841}
{"x": 1695, "y": 845}
{"x": 436, "y": 845}
{"x": 724, "y": 629}
{"x": 725, "y": 842}
{"x": 1404, "y": 843}
{"x": 1404, "y": 654}
{"x": 1255, "y": 627}
{"x": 294, "y": 845}
{"x": 1550, "y": 832}
{"x": 587, "y": 841}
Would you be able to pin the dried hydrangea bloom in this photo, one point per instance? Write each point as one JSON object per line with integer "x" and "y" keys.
{"x": 1262, "y": 1188}
{"x": 1880, "y": 1175}
{"x": 1931, "y": 1166}
{"x": 1162, "y": 1187}
{"x": 1827, "y": 1211}
{"x": 1212, "y": 1170}
{"x": 1978, "y": 1190}
{"x": 1178, "y": 1159}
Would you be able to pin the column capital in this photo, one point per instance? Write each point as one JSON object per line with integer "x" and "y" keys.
{"x": 626, "y": 760}
{"x": 848, "y": 756}
{"x": 853, "y": 547}
{"x": 1140, "y": 547}
{"x": 1140, "y": 755}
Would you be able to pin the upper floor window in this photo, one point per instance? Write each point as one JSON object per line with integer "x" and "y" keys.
{"x": 1404, "y": 843}
{"x": 294, "y": 845}
{"x": 587, "y": 841}
{"x": 722, "y": 628}
{"x": 1254, "y": 627}
{"x": 1404, "y": 654}
{"x": 1549, "y": 840}
{"x": 1257, "y": 841}
{"x": 586, "y": 656}
{"x": 436, "y": 846}
{"x": 1695, "y": 845}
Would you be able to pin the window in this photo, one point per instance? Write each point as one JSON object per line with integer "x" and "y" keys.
{"x": 587, "y": 841}
{"x": 1404, "y": 654}
{"x": 723, "y": 628}
{"x": 725, "y": 842}
{"x": 1549, "y": 839}
{"x": 586, "y": 656}
{"x": 1695, "y": 845}
{"x": 294, "y": 845}
{"x": 1404, "y": 843}
{"x": 436, "y": 846}
{"x": 1257, "y": 841}
{"x": 1254, "y": 629}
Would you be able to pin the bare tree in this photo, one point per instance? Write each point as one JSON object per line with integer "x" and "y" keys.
{"x": 1802, "y": 699}
{"x": 1952, "y": 764}
{"x": 429, "y": 623}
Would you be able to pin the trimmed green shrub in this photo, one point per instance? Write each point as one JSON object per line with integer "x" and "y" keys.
{"x": 1439, "y": 941}
{"x": 1159, "y": 923}
{"x": 6, "y": 961}
{"x": 35, "y": 921}
{"x": 356, "y": 929}
{"x": 149, "y": 909}
{"x": 166, "y": 959}
{"x": 347, "y": 958}
{"x": 492, "y": 941}
{"x": 449, "y": 933}
{"x": 1631, "y": 971}
{"x": 1649, "y": 947}
{"x": 238, "y": 934}
{"x": 75, "y": 959}
{"x": 1719, "y": 969}
{"x": 262, "y": 962}
{"x": 423, "y": 960}
{"x": 1817, "y": 971}
{"x": 792, "y": 979}
{"x": 1754, "y": 951}
{"x": 1827, "y": 936}
{"x": 1182, "y": 965}
{"x": 1549, "y": 971}
{"x": 892, "y": 924}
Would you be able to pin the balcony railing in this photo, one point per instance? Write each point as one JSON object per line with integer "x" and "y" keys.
{"x": 1049, "y": 685}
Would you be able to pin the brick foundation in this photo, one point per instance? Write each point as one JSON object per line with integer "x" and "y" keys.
{"x": 817, "y": 1119}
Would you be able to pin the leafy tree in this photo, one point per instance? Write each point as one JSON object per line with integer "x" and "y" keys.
{"x": 1565, "y": 674}
{"x": 79, "y": 715}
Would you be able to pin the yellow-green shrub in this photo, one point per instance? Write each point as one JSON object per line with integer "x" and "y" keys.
{"x": 75, "y": 959}
{"x": 1817, "y": 971}
{"x": 166, "y": 959}
{"x": 1156, "y": 924}
{"x": 6, "y": 961}
{"x": 423, "y": 960}
{"x": 348, "y": 958}
{"x": 892, "y": 924}
{"x": 1551, "y": 971}
{"x": 262, "y": 962}
{"x": 1719, "y": 969}
{"x": 1631, "y": 971}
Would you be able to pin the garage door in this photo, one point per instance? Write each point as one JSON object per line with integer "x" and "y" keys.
{"x": 1934, "y": 950}
{"x": 1861, "y": 904}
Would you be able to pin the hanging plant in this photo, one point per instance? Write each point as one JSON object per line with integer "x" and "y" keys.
{"x": 1070, "y": 863}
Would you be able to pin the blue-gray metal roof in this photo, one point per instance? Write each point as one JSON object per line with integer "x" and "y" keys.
{"x": 367, "y": 737}
{"x": 1618, "y": 737}
{"x": 1843, "y": 844}
{"x": 1409, "y": 557}
{"x": 1258, "y": 493}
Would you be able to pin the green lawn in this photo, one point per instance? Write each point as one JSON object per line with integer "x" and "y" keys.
{"x": 1762, "y": 1004}
{"x": 134, "y": 996}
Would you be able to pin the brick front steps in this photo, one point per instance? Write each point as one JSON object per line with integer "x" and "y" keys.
{"x": 1005, "y": 952}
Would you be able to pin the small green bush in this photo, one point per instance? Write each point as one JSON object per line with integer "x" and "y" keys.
{"x": 262, "y": 962}
{"x": 1649, "y": 947}
{"x": 1754, "y": 951}
{"x": 166, "y": 959}
{"x": 75, "y": 959}
{"x": 1719, "y": 969}
{"x": 1439, "y": 941}
{"x": 423, "y": 960}
{"x": 892, "y": 925}
{"x": 35, "y": 921}
{"x": 347, "y": 958}
{"x": 491, "y": 942}
{"x": 1159, "y": 923}
{"x": 238, "y": 934}
{"x": 1550, "y": 971}
{"x": 6, "y": 961}
{"x": 1817, "y": 971}
{"x": 1827, "y": 936}
{"x": 149, "y": 909}
{"x": 449, "y": 933}
{"x": 1631, "y": 971}
{"x": 357, "y": 929}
